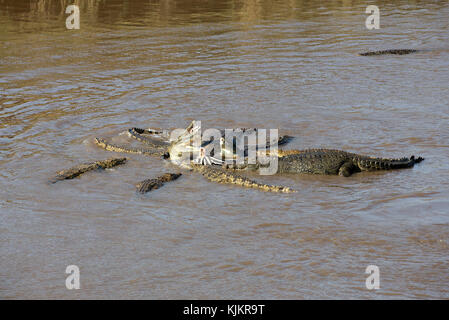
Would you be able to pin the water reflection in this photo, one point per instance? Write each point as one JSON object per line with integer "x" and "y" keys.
{"x": 166, "y": 12}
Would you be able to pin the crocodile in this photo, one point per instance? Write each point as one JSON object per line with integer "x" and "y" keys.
{"x": 389, "y": 51}
{"x": 331, "y": 162}
{"x": 149, "y": 151}
{"x": 155, "y": 183}
{"x": 220, "y": 174}
{"x": 86, "y": 167}
{"x": 313, "y": 161}
{"x": 217, "y": 168}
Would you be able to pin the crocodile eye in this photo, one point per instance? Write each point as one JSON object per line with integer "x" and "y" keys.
{"x": 180, "y": 154}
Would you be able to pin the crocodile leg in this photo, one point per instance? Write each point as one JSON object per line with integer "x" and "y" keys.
{"x": 220, "y": 175}
{"x": 347, "y": 169}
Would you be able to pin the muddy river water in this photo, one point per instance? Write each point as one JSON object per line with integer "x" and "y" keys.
{"x": 292, "y": 65}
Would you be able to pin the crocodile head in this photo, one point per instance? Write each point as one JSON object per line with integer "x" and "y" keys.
{"x": 181, "y": 150}
{"x": 187, "y": 147}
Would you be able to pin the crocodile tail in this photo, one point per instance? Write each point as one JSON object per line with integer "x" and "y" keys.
{"x": 370, "y": 164}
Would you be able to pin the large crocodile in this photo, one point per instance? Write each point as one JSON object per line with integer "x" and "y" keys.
{"x": 215, "y": 168}
{"x": 332, "y": 162}
{"x": 315, "y": 161}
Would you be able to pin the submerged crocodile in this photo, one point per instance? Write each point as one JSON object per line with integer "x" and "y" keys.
{"x": 215, "y": 168}
{"x": 85, "y": 167}
{"x": 389, "y": 51}
{"x": 156, "y": 183}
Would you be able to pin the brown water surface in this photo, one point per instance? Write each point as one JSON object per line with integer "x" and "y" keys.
{"x": 291, "y": 65}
